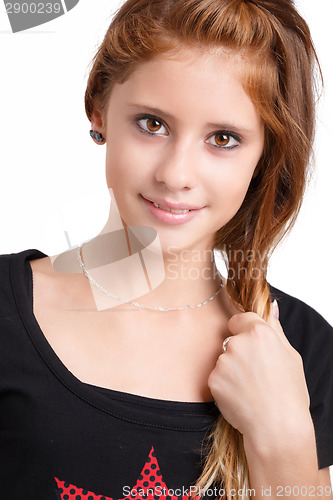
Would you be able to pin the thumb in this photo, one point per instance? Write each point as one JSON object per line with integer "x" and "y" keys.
{"x": 275, "y": 309}
{"x": 273, "y": 319}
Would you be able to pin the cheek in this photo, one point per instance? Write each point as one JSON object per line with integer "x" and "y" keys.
{"x": 122, "y": 165}
{"x": 237, "y": 188}
{"x": 230, "y": 189}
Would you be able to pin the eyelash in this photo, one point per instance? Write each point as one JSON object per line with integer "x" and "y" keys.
{"x": 219, "y": 132}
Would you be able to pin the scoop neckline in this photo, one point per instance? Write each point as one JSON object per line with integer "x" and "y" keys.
{"x": 167, "y": 414}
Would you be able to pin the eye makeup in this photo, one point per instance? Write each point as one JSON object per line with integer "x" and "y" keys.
{"x": 153, "y": 124}
{"x": 223, "y": 138}
{"x": 150, "y": 124}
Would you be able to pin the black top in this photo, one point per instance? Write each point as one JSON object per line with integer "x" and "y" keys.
{"x": 64, "y": 439}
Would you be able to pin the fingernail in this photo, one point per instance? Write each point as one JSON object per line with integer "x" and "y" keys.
{"x": 275, "y": 309}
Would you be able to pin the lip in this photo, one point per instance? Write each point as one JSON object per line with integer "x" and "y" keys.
{"x": 169, "y": 217}
{"x": 168, "y": 204}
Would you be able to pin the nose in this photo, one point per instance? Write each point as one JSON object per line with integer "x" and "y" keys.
{"x": 177, "y": 168}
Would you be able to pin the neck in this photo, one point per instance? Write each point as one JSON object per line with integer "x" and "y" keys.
{"x": 130, "y": 264}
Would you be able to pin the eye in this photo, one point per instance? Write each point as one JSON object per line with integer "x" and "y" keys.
{"x": 151, "y": 125}
{"x": 224, "y": 140}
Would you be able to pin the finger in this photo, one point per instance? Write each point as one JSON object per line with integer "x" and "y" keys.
{"x": 273, "y": 319}
{"x": 250, "y": 321}
{"x": 243, "y": 322}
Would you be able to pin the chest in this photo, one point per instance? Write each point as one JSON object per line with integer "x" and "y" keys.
{"x": 152, "y": 354}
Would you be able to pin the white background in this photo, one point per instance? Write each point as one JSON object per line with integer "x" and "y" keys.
{"x": 52, "y": 174}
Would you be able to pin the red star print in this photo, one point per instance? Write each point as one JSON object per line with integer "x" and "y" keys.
{"x": 150, "y": 481}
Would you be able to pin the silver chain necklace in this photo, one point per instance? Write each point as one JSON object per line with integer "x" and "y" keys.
{"x": 142, "y": 306}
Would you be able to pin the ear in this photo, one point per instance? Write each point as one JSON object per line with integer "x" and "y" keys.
{"x": 98, "y": 123}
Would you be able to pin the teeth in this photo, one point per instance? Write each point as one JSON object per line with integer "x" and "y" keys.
{"x": 170, "y": 209}
{"x": 179, "y": 211}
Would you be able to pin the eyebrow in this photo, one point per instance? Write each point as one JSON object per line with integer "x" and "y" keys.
{"x": 216, "y": 126}
{"x": 152, "y": 109}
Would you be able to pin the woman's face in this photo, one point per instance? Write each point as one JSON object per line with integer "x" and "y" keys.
{"x": 182, "y": 131}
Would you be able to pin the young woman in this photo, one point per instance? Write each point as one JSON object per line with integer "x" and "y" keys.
{"x": 129, "y": 367}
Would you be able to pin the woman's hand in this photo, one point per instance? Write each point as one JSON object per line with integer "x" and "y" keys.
{"x": 258, "y": 383}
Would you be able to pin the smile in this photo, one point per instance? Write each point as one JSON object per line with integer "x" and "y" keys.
{"x": 170, "y": 209}
{"x": 170, "y": 215}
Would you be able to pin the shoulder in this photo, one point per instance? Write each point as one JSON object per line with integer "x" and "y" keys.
{"x": 304, "y": 327}
{"x": 312, "y": 336}
{"x": 290, "y": 305}
{"x": 14, "y": 291}
{"x": 18, "y": 257}
{"x": 13, "y": 265}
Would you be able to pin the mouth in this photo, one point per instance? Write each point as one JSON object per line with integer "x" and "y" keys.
{"x": 172, "y": 210}
{"x": 170, "y": 213}
{"x": 174, "y": 207}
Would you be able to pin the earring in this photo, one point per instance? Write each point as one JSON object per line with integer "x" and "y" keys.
{"x": 97, "y": 136}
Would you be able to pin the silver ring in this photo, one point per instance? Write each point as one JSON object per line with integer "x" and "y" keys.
{"x": 224, "y": 345}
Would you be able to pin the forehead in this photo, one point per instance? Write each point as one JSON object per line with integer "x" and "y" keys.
{"x": 190, "y": 66}
{"x": 206, "y": 82}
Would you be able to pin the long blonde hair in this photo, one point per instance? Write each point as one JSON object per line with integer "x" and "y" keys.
{"x": 278, "y": 76}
